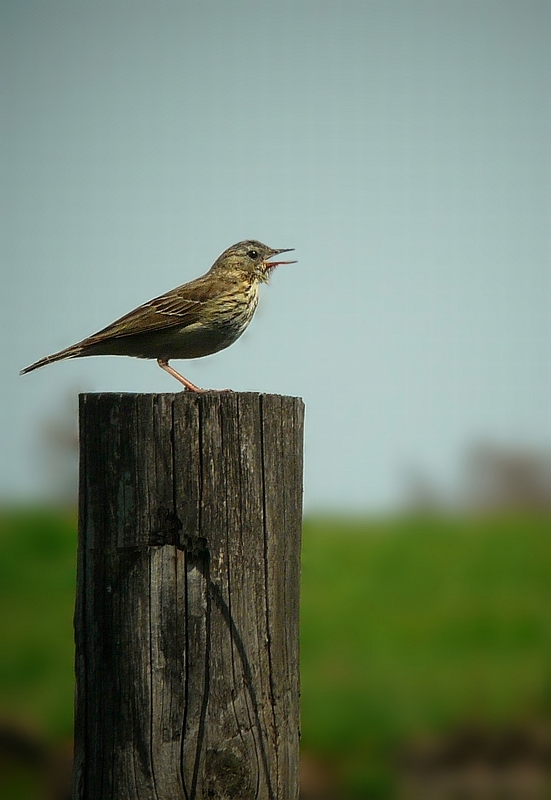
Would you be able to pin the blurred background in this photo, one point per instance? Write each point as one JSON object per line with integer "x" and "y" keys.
{"x": 403, "y": 149}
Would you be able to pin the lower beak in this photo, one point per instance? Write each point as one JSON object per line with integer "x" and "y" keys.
{"x": 271, "y": 264}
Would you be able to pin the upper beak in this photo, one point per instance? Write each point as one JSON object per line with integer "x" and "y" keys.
{"x": 277, "y": 252}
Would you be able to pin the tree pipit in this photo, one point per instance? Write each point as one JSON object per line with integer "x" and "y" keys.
{"x": 191, "y": 321}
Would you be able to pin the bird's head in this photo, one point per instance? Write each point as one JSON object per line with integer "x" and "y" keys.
{"x": 252, "y": 257}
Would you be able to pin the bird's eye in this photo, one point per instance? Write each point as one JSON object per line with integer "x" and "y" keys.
{"x": 253, "y": 254}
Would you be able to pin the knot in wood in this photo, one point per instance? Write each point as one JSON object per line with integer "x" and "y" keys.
{"x": 167, "y": 528}
{"x": 196, "y": 546}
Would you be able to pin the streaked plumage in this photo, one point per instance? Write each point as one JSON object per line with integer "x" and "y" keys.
{"x": 194, "y": 320}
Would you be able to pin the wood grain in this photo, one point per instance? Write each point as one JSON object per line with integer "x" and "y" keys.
{"x": 186, "y": 618}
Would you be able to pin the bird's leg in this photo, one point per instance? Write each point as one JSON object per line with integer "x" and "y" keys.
{"x": 191, "y": 387}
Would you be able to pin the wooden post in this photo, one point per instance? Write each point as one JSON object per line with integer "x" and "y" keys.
{"x": 186, "y": 621}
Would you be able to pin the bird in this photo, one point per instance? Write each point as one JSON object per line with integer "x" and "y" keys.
{"x": 194, "y": 320}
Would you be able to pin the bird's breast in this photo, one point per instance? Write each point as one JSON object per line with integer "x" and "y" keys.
{"x": 223, "y": 321}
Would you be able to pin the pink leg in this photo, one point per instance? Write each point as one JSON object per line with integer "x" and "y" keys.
{"x": 191, "y": 387}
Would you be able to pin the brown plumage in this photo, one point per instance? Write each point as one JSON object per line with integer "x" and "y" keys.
{"x": 194, "y": 320}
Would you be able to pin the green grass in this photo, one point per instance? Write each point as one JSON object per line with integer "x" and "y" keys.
{"x": 419, "y": 625}
{"x": 37, "y": 584}
{"x": 408, "y": 626}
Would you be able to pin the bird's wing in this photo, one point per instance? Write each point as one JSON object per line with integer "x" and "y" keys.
{"x": 181, "y": 307}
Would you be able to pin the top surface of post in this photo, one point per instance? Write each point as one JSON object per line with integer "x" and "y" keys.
{"x": 206, "y": 393}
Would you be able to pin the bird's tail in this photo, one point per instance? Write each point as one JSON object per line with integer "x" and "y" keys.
{"x": 70, "y": 352}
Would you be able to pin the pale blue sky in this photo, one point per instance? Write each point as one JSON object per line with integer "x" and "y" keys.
{"x": 401, "y": 147}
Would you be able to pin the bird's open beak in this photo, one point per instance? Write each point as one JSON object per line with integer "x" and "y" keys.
{"x": 271, "y": 264}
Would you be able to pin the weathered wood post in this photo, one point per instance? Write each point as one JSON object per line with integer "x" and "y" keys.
{"x": 186, "y": 621}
